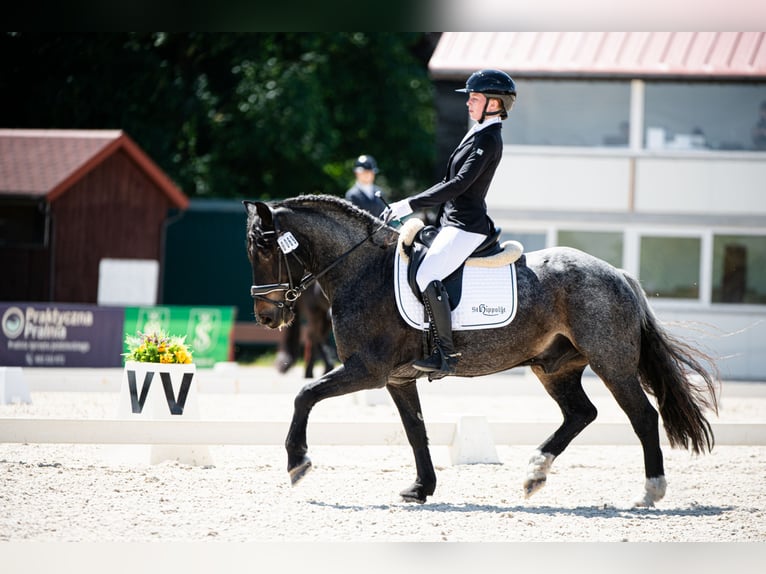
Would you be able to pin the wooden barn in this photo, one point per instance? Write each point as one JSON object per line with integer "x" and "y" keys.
{"x": 70, "y": 199}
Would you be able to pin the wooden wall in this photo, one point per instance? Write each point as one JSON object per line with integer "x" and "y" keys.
{"x": 115, "y": 211}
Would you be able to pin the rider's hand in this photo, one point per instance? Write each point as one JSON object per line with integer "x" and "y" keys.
{"x": 396, "y": 210}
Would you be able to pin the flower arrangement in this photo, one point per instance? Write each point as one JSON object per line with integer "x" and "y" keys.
{"x": 157, "y": 347}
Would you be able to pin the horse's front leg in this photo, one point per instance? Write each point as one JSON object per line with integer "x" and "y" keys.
{"x": 349, "y": 377}
{"x": 407, "y": 401}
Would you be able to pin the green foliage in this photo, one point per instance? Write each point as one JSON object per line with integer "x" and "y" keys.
{"x": 261, "y": 115}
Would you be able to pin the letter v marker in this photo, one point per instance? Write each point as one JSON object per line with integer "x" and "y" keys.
{"x": 136, "y": 402}
{"x": 176, "y": 406}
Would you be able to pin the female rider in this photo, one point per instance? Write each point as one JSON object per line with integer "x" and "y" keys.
{"x": 460, "y": 196}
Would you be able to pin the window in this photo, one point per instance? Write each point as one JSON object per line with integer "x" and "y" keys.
{"x": 569, "y": 113}
{"x": 670, "y": 266}
{"x": 606, "y": 245}
{"x": 695, "y": 115}
{"x": 23, "y": 224}
{"x": 530, "y": 240}
{"x": 739, "y": 269}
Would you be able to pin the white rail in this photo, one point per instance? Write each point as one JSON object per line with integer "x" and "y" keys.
{"x": 260, "y": 433}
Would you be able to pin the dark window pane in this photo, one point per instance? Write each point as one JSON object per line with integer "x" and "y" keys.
{"x": 694, "y": 115}
{"x": 739, "y": 269}
{"x": 606, "y": 245}
{"x": 569, "y": 113}
{"x": 670, "y": 267}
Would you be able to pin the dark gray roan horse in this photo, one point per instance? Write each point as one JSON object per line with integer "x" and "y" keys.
{"x": 574, "y": 310}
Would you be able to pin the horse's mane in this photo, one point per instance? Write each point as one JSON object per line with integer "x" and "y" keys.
{"x": 326, "y": 205}
{"x": 322, "y": 203}
{"x": 319, "y": 201}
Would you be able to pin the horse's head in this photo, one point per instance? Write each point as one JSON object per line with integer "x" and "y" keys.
{"x": 328, "y": 231}
{"x": 275, "y": 275}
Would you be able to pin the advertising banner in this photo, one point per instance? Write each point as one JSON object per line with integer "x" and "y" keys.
{"x": 207, "y": 329}
{"x": 60, "y": 335}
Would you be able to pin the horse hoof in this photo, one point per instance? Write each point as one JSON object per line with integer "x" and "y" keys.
{"x": 643, "y": 502}
{"x": 414, "y": 494}
{"x": 299, "y": 472}
{"x": 533, "y": 485}
{"x": 654, "y": 490}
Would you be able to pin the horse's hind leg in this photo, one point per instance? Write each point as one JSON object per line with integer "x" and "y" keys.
{"x": 644, "y": 420}
{"x": 407, "y": 402}
{"x": 565, "y": 386}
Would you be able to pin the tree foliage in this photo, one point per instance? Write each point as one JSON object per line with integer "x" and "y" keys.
{"x": 237, "y": 115}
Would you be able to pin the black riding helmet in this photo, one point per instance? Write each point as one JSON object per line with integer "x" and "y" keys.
{"x": 493, "y": 84}
{"x": 366, "y": 162}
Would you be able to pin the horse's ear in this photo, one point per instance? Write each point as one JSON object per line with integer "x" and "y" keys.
{"x": 262, "y": 210}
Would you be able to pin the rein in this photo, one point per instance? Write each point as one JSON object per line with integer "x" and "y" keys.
{"x": 287, "y": 244}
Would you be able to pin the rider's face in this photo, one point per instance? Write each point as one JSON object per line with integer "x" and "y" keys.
{"x": 475, "y": 105}
{"x": 365, "y": 176}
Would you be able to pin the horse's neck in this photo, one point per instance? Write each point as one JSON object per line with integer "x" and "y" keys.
{"x": 350, "y": 253}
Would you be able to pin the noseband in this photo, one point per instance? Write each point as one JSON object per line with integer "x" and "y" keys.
{"x": 287, "y": 244}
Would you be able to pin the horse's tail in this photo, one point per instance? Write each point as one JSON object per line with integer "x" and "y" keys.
{"x": 666, "y": 369}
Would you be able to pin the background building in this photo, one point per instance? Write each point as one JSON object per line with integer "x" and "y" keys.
{"x": 638, "y": 148}
{"x": 71, "y": 200}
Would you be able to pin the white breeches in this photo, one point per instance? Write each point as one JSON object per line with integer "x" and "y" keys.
{"x": 450, "y": 248}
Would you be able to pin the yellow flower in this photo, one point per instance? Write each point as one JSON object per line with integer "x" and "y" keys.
{"x": 157, "y": 347}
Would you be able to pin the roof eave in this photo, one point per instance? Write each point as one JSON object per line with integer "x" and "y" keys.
{"x": 123, "y": 142}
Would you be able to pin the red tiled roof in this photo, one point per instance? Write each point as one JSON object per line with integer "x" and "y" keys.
{"x": 633, "y": 54}
{"x": 45, "y": 163}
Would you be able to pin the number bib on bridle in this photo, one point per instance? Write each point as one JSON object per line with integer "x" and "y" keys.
{"x": 487, "y": 296}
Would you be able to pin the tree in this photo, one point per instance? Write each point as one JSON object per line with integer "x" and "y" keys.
{"x": 237, "y": 115}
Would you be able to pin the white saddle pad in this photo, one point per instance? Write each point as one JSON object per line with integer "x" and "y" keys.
{"x": 488, "y": 299}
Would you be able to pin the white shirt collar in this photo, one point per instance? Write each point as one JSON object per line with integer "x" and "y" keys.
{"x": 478, "y": 127}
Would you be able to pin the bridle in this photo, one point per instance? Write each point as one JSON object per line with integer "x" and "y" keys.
{"x": 287, "y": 245}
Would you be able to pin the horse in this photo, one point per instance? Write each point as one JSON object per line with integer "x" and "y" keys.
{"x": 314, "y": 307}
{"x": 574, "y": 311}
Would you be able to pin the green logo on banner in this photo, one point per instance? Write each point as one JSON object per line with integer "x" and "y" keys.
{"x": 207, "y": 329}
{"x": 204, "y": 328}
{"x": 153, "y": 319}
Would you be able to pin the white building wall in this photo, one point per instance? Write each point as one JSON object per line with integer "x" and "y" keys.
{"x": 601, "y": 181}
{"x": 561, "y": 180}
{"x": 623, "y": 184}
{"x": 706, "y": 184}
{"x": 736, "y": 339}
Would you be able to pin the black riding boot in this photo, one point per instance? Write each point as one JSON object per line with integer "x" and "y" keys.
{"x": 443, "y": 360}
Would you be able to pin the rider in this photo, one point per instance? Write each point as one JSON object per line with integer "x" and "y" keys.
{"x": 363, "y": 192}
{"x": 464, "y": 223}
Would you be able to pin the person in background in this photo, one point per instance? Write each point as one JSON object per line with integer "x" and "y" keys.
{"x": 460, "y": 197}
{"x": 362, "y": 193}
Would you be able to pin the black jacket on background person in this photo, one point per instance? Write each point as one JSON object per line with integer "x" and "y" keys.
{"x": 463, "y": 191}
{"x": 358, "y": 197}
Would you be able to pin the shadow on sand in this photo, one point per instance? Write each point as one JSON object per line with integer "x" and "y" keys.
{"x": 604, "y": 511}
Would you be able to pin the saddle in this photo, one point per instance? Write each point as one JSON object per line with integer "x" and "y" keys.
{"x": 415, "y": 238}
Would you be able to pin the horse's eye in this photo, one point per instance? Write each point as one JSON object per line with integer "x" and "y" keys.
{"x": 266, "y": 255}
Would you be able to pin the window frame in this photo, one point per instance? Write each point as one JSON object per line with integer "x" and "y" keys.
{"x": 631, "y": 246}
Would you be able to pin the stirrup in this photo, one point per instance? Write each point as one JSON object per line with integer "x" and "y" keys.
{"x": 432, "y": 362}
{"x": 438, "y": 362}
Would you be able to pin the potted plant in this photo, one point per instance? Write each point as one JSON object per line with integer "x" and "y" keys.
{"x": 158, "y": 379}
{"x": 158, "y": 358}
